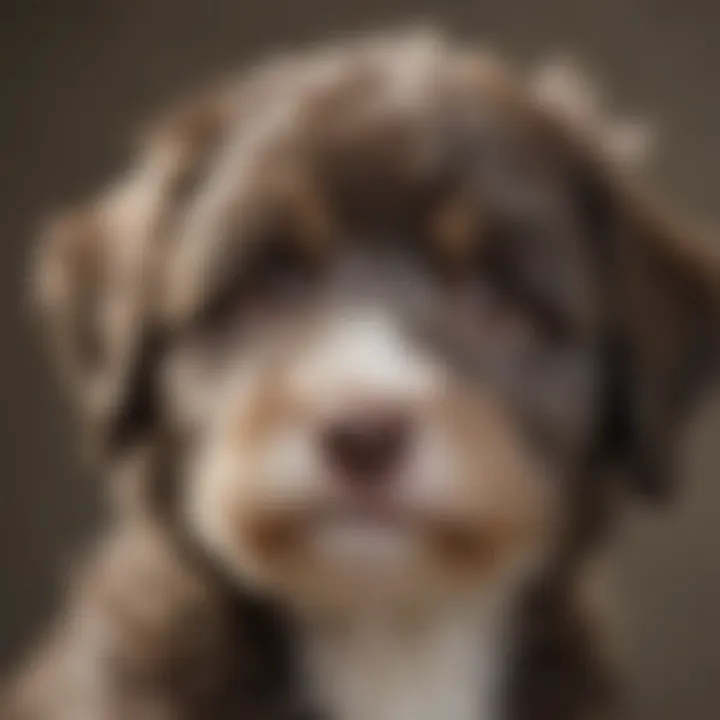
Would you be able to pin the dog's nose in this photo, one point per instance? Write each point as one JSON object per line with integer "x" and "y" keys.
{"x": 367, "y": 446}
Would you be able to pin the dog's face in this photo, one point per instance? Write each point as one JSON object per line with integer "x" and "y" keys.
{"x": 388, "y": 317}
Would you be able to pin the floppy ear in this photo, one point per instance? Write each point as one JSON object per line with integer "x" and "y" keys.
{"x": 662, "y": 281}
{"x": 98, "y": 267}
{"x": 86, "y": 288}
{"x": 665, "y": 311}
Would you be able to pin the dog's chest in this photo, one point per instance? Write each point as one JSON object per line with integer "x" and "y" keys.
{"x": 448, "y": 668}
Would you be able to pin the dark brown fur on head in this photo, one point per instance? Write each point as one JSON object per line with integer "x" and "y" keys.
{"x": 397, "y": 153}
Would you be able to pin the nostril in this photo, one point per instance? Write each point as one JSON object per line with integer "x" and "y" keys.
{"x": 367, "y": 446}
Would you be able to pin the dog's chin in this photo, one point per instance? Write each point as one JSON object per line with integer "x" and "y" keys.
{"x": 341, "y": 556}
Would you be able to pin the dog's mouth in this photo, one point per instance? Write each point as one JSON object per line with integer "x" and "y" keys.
{"x": 382, "y": 534}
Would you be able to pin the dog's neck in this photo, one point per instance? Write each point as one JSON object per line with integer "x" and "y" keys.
{"x": 448, "y": 662}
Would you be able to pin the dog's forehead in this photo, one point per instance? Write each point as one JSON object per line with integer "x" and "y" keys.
{"x": 369, "y": 138}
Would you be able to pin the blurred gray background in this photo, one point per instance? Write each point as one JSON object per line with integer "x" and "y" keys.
{"x": 77, "y": 78}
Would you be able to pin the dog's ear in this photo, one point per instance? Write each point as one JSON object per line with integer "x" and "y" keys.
{"x": 87, "y": 288}
{"x": 662, "y": 279}
{"x": 97, "y": 268}
{"x": 663, "y": 294}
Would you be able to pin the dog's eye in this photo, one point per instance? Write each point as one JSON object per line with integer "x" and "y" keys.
{"x": 278, "y": 275}
{"x": 274, "y": 277}
{"x": 495, "y": 290}
{"x": 496, "y": 316}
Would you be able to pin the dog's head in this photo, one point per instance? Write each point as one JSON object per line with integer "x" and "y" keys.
{"x": 394, "y": 315}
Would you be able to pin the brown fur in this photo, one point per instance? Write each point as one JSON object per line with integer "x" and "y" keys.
{"x": 155, "y": 629}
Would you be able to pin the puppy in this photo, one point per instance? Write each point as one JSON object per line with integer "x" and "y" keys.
{"x": 370, "y": 344}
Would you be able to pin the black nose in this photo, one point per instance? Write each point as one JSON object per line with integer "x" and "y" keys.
{"x": 367, "y": 446}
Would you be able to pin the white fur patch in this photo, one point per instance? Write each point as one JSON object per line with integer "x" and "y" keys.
{"x": 366, "y": 355}
{"x": 446, "y": 664}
